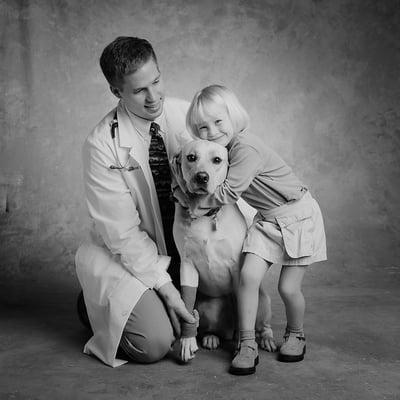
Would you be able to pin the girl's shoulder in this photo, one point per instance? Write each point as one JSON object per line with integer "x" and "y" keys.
{"x": 249, "y": 140}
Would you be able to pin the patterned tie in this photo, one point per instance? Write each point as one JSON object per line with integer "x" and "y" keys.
{"x": 159, "y": 165}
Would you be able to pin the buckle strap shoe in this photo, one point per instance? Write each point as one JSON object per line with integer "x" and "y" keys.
{"x": 293, "y": 347}
{"x": 245, "y": 360}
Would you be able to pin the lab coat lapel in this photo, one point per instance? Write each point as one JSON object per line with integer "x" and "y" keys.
{"x": 129, "y": 138}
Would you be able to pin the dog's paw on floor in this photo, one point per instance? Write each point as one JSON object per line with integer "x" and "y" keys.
{"x": 266, "y": 341}
{"x": 210, "y": 341}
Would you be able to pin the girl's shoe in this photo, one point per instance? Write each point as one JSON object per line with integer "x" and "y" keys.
{"x": 245, "y": 360}
{"x": 293, "y": 347}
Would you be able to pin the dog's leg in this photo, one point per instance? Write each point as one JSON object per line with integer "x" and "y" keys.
{"x": 263, "y": 322}
{"x": 189, "y": 284}
{"x": 216, "y": 320}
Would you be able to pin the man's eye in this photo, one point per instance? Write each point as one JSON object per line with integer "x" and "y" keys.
{"x": 191, "y": 158}
{"x": 218, "y": 121}
{"x": 217, "y": 160}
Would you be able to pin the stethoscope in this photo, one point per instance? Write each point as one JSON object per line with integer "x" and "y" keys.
{"x": 119, "y": 166}
{"x": 114, "y": 128}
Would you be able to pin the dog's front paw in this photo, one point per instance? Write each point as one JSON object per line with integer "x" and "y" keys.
{"x": 210, "y": 342}
{"x": 266, "y": 339}
{"x": 188, "y": 348}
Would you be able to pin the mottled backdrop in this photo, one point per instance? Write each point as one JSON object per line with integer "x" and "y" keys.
{"x": 320, "y": 80}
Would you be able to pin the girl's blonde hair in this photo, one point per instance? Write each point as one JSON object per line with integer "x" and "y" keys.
{"x": 216, "y": 94}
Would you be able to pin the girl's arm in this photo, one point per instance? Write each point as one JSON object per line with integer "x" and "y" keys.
{"x": 245, "y": 163}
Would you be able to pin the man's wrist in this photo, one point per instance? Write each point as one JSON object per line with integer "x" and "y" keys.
{"x": 162, "y": 280}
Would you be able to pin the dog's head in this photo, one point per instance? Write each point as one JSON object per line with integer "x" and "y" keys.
{"x": 204, "y": 166}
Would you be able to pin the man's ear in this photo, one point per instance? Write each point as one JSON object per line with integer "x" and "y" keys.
{"x": 115, "y": 91}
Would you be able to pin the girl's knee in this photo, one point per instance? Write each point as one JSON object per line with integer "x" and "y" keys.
{"x": 248, "y": 279}
{"x": 288, "y": 290}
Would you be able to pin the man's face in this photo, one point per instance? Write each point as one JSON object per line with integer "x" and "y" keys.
{"x": 143, "y": 91}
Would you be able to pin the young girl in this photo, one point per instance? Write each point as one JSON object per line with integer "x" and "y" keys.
{"x": 288, "y": 228}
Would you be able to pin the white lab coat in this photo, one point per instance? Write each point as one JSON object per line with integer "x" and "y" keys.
{"x": 125, "y": 254}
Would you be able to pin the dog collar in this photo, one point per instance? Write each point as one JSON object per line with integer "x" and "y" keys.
{"x": 212, "y": 212}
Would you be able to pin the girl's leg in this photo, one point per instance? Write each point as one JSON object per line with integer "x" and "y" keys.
{"x": 251, "y": 276}
{"x": 289, "y": 287}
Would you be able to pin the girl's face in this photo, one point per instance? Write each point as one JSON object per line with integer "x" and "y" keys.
{"x": 215, "y": 125}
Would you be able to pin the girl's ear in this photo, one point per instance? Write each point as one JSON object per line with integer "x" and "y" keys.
{"x": 115, "y": 91}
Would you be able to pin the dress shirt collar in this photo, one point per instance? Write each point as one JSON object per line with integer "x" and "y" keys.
{"x": 141, "y": 125}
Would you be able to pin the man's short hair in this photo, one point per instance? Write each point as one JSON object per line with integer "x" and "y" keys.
{"x": 124, "y": 56}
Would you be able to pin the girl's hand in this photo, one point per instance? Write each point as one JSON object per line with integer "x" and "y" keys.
{"x": 188, "y": 348}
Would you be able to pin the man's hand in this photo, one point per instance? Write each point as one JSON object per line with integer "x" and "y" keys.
{"x": 188, "y": 348}
{"x": 175, "y": 307}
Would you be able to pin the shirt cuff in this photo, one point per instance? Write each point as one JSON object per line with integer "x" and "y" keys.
{"x": 162, "y": 280}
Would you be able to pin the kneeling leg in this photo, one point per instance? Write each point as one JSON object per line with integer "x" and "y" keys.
{"x": 148, "y": 334}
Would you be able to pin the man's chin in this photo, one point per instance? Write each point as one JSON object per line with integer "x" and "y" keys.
{"x": 154, "y": 113}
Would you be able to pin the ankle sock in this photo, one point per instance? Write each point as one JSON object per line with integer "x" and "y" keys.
{"x": 247, "y": 335}
{"x": 297, "y": 331}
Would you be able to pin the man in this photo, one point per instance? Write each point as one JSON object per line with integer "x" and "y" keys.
{"x": 130, "y": 299}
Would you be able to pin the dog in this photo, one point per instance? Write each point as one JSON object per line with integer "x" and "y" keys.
{"x": 210, "y": 248}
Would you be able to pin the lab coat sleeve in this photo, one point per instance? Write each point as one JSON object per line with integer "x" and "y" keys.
{"x": 117, "y": 219}
{"x": 244, "y": 166}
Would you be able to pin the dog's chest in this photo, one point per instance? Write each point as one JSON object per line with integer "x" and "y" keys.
{"x": 216, "y": 260}
{"x": 215, "y": 252}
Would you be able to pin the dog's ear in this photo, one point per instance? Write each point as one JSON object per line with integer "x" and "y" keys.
{"x": 176, "y": 168}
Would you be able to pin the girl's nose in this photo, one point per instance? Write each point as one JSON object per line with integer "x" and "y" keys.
{"x": 212, "y": 131}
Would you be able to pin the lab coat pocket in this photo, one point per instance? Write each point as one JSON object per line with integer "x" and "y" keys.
{"x": 297, "y": 233}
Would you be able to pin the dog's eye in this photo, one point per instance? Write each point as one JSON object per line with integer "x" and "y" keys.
{"x": 217, "y": 160}
{"x": 191, "y": 157}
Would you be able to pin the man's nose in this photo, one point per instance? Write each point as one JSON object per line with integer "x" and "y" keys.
{"x": 202, "y": 177}
{"x": 152, "y": 95}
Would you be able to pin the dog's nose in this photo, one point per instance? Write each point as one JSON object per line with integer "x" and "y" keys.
{"x": 202, "y": 177}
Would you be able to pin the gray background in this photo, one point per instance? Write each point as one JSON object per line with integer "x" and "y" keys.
{"x": 320, "y": 80}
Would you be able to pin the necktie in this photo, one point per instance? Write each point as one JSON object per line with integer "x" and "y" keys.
{"x": 159, "y": 165}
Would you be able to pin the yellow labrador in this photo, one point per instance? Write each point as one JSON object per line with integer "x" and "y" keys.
{"x": 210, "y": 248}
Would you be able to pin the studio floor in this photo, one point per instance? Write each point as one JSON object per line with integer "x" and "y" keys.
{"x": 353, "y": 351}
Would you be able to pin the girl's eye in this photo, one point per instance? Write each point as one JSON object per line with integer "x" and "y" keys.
{"x": 191, "y": 157}
{"x": 217, "y": 160}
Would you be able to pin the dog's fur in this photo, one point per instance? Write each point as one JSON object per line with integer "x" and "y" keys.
{"x": 210, "y": 246}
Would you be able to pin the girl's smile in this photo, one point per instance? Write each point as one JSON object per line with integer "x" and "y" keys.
{"x": 215, "y": 125}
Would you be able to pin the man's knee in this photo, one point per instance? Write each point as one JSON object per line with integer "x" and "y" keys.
{"x": 148, "y": 333}
{"x": 147, "y": 349}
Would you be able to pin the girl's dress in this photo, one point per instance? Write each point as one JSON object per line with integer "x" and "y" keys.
{"x": 288, "y": 228}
